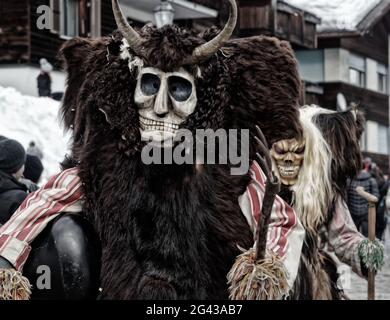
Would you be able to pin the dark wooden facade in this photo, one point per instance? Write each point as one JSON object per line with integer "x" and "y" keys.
{"x": 15, "y": 33}
{"x": 265, "y": 17}
{"x": 20, "y": 40}
{"x": 43, "y": 43}
{"x": 284, "y": 21}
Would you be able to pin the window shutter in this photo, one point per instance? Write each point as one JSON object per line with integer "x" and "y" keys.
{"x": 382, "y": 69}
{"x": 55, "y": 9}
{"x": 95, "y": 18}
{"x": 357, "y": 62}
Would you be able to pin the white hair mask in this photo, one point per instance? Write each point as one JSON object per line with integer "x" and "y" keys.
{"x": 313, "y": 191}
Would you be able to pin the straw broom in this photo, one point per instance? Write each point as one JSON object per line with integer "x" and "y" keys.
{"x": 13, "y": 285}
{"x": 258, "y": 274}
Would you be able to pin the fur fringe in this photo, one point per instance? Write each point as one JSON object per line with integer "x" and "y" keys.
{"x": 13, "y": 285}
{"x": 371, "y": 254}
{"x": 258, "y": 280}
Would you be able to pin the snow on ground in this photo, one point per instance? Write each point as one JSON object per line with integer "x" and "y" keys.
{"x": 26, "y": 118}
{"x": 337, "y": 14}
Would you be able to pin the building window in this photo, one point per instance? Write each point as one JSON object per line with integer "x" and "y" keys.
{"x": 311, "y": 65}
{"x": 72, "y": 18}
{"x": 382, "y": 78}
{"x": 377, "y": 137}
{"x": 357, "y": 77}
{"x": 357, "y": 70}
{"x": 96, "y": 19}
{"x": 55, "y": 7}
{"x": 65, "y": 17}
{"x": 69, "y": 17}
{"x": 383, "y": 139}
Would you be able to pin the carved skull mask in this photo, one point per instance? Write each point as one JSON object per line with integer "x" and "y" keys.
{"x": 165, "y": 100}
{"x": 288, "y": 156}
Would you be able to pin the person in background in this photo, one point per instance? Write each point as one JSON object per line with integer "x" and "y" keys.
{"x": 387, "y": 202}
{"x": 44, "y": 79}
{"x": 377, "y": 173}
{"x": 33, "y": 150}
{"x": 12, "y": 191}
{"x": 33, "y": 168}
{"x": 356, "y": 204}
{"x": 383, "y": 185}
{"x": 367, "y": 162}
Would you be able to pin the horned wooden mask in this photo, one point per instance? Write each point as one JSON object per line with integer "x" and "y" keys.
{"x": 166, "y": 99}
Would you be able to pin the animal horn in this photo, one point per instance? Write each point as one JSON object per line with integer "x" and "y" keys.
{"x": 206, "y": 50}
{"x": 133, "y": 38}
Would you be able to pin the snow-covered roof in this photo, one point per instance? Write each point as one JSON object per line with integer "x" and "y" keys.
{"x": 337, "y": 15}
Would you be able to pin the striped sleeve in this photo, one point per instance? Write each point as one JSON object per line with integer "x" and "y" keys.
{"x": 285, "y": 232}
{"x": 62, "y": 193}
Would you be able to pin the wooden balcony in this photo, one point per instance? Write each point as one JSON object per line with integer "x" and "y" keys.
{"x": 283, "y": 21}
{"x": 275, "y": 18}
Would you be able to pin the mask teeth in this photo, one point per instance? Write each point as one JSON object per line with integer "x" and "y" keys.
{"x": 291, "y": 170}
{"x": 149, "y": 124}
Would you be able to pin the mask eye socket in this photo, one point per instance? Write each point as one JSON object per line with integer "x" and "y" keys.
{"x": 279, "y": 150}
{"x": 179, "y": 88}
{"x": 150, "y": 84}
{"x": 300, "y": 150}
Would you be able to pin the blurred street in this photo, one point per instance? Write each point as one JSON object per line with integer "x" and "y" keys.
{"x": 358, "y": 289}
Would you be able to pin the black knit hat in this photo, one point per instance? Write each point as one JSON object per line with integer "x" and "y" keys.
{"x": 12, "y": 156}
{"x": 33, "y": 169}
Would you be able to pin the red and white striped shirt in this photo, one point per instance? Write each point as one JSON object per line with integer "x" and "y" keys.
{"x": 63, "y": 193}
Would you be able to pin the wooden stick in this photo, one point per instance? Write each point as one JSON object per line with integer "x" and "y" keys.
{"x": 372, "y": 200}
{"x": 272, "y": 188}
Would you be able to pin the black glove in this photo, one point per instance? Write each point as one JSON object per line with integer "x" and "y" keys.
{"x": 31, "y": 186}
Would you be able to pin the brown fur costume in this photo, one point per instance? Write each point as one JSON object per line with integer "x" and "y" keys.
{"x": 170, "y": 231}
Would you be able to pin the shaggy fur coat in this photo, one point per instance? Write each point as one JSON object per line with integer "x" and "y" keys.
{"x": 169, "y": 231}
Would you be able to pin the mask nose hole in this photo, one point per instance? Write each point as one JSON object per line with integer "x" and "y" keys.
{"x": 288, "y": 162}
{"x": 161, "y": 114}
